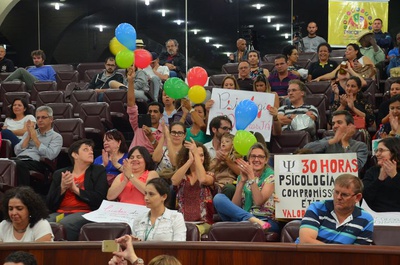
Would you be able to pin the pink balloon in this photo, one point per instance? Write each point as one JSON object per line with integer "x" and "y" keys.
{"x": 142, "y": 58}
{"x": 197, "y": 76}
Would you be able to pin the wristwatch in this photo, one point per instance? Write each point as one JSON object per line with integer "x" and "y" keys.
{"x": 250, "y": 182}
{"x": 139, "y": 261}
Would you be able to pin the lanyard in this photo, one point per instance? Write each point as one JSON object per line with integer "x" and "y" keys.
{"x": 148, "y": 231}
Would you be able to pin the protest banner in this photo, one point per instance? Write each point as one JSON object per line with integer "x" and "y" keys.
{"x": 303, "y": 179}
{"x": 116, "y": 212}
{"x": 226, "y": 100}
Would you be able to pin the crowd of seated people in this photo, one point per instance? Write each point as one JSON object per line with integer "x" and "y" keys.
{"x": 206, "y": 173}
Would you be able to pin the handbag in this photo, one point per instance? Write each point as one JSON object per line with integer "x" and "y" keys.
{"x": 359, "y": 122}
{"x": 367, "y": 71}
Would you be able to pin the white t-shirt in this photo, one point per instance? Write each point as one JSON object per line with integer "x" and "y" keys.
{"x": 17, "y": 125}
{"x": 40, "y": 229}
{"x": 162, "y": 69}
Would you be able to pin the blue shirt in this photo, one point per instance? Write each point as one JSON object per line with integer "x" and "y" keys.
{"x": 110, "y": 169}
{"x": 355, "y": 230}
{"x": 43, "y": 73}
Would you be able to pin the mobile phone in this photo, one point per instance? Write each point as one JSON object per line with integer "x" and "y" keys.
{"x": 144, "y": 119}
{"x": 109, "y": 246}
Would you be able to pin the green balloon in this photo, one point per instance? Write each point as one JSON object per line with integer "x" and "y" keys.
{"x": 175, "y": 88}
{"x": 242, "y": 141}
{"x": 125, "y": 58}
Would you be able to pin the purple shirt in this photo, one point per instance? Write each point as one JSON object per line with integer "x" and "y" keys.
{"x": 280, "y": 86}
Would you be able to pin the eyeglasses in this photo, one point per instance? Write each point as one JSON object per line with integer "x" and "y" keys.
{"x": 380, "y": 150}
{"x": 343, "y": 195}
{"x": 226, "y": 128}
{"x": 41, "y": 117}
{"x": 260, "y": 157}
{"x": 175, "y": 133}
{"x": 292, "y": 90}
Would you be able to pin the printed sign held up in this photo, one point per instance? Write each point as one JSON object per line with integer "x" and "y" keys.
{"x": 303, "y": 179}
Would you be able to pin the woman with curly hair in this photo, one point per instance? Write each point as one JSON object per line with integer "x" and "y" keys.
{"x": 25, "y": 218}
{"x": 194, "y": 185}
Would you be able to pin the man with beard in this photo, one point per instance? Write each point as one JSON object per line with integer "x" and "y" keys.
{"x": 312, "y": 41}
{"x": 174, "y": 60}
{"x": 101, "y": 81}
{"x": 338, "y": 221}
{"x": 218, "y": 127}
{"x": 241, "y": 54}
{"x": 39, "y": 72}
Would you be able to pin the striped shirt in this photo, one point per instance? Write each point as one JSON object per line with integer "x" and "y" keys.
{"x": 287, "y": 110}
{"x": 356, "y": 229}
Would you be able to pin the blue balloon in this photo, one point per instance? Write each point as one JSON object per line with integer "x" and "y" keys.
{"x": 126, "y": 35}
{"x": 245, "y": 113}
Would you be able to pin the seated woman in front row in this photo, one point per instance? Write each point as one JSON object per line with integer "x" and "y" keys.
{"x": 160, "y": 223}
{"x": 254, "y": 197}
{"x": 129, "y": 186}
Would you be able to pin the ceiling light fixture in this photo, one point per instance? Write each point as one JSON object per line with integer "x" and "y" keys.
{"x": 57, "y": 5}
{"x": 278, "y": 26}
{"x": 163, "y": 12}
{"x": 207, "y": 39}
{"x": 195, "y": 31}
{"x": 258, "y": 6}
{"x": 269, "y": 18}
{"x": 178, "y": 21}
{"x": 100, "y": 27}
{"x": 217, "y": 45}
{"x": 147, "y": 2}
{"x": 227, "y": 53}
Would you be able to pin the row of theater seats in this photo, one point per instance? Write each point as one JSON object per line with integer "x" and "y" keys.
{"x": 220, "y": 231}
{"x": 66, "y": 73}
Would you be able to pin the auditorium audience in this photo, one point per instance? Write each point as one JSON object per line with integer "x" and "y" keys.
{"x": 20, "y": 258}
{"x": 218, "y": 126}
{"x": 159, "y": 223}
{"x": 279, "y": 79}
{"x": 128, "y": 254}
{"x": 15, "y": 126}
{"x": 38, "y": 72}
{"x": 25, "y": 217}
{"x": 370, "y": 48}
{"x": 354, "y": 63}
{"x": 381, "y": 182}
{"x": 383, "y": 112}
{"x": 102, "y": 81}
{"x": 173, "y": 59}
{"x": 230, "y": 82}
{"x": 241, "y": 54}
{"x": 194, "y": 185}
{"x": 169, "y": 107}
{"x": 254, "y": 61}
{"x": 78, "y": 189}
{"x": 198, "y": 115}
{"x": 35, "y": 145}
{"x": 324, "y": 65}
{"x": 338, "y": 221}
{"x": 253, "y": 200}
{"x": 6, "y": 65}
{"x": 224, "y": 167}
{"x": 395, "y": 51}
{"x": 391, "y": 128}
{"x": 354, "y": 102}
{"x": 145, "y": 136}
{"x": 113, "y": 154}
{"x": 342, "y": 142}
{"x": 244, "y": 80}
{"x": 170, "y": 143}
{"x": 138, "y": 169}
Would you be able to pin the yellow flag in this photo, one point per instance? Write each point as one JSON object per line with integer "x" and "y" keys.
{"x": 348, "y": 18}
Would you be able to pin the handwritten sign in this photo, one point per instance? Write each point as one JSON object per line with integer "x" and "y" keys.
{"x": 383, "y": 218}
{"x": 116, "y": 212}
{"x": 303, "y": 179}
{"x": 226, "y": 100}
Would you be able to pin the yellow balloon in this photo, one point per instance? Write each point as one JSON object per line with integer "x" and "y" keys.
{"x": 116, "y": 46}
{"x": 197, "y": 94}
